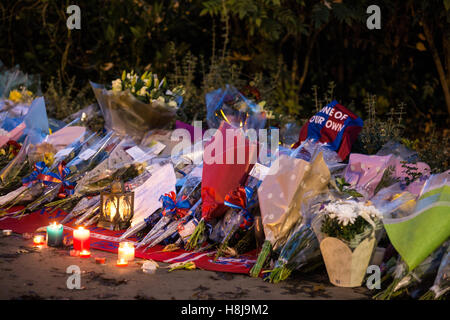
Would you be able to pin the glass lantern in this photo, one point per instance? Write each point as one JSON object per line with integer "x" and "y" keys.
{"x": 117, "y": 208}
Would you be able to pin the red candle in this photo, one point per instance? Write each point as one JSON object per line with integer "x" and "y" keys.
{"x": 81, "y": 239}
{"x": 100, "y": 260}
{"x": 85, "y": 254}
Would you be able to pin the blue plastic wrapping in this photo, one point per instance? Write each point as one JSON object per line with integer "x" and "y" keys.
{"x": 229, "y": 105}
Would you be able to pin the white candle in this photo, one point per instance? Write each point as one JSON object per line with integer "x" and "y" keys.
{"x": 126, "y": 251}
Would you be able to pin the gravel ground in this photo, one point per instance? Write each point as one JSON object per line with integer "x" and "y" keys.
{"x": 27, "y": 272}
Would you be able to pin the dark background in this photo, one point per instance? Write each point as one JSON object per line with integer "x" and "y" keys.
{"x": 298, "y": 54}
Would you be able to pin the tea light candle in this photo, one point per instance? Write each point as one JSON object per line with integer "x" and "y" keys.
{"x": 38, "y": 240}
{"x": 100, "y": 260}
{"x": 122, "y": 263}
{"x": 85, "y": 254}
{"x": 126, "y": 251}
{"x": 55, "y": 234}
{"x": 81, "y": 239}
{"x": 7, "y": 232}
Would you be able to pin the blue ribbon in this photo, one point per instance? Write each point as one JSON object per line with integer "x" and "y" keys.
{"x": 39, "y": 169}
{"x": 171, "y": 206}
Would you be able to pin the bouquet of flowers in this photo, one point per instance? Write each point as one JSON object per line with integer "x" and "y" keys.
{"x": 229, "y": 105}
{"x": 36, "y": 129}
{"x": 220, "y": 177}
{"x": 174, "y": 209}
{"x": 242, "y": 202}
{"x": 289, "y": 183}
{"x": 11, "y": 79}
{"x": 137, "y": 104}
{"x": 302, "y": 247}
{"x": 346, "y": 232}
{"x": 441, "y": 284}
{"x": 420, "y": 231}
{"x": 124, "y": 164}
{"x": 148, "y": 188}
{"x": 405, "y": 278}
{"x": 62, "y": 183}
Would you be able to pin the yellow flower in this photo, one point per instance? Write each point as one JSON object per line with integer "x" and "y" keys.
{"x": 15, "y": 96}
{"x": 49, "y": 158}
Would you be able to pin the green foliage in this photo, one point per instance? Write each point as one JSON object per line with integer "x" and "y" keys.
{"x": 376, "y": 132}
{"x": 332, "y": 228}
{"x": 63, "y": 100}
{"x": 343, "y": 186}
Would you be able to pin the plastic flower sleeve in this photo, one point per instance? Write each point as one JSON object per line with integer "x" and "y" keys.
{"x": 418, "y": 234}
{"x": 36, "y": 130}
{"x": 441, "y": 284}
{"x": 288, "y": 184}
{"x": 220, "y": 177}
{"x": 302, "y": 247}
{"x": 174, "y": 208}
{"x": 285, "y": 188}
{"x": 126, "y": 115}
{"x": 229, "y": 105}
{"x": 404, "y": 278}
{"x": 147, "y": 195}
{"x": 14, "y": 78}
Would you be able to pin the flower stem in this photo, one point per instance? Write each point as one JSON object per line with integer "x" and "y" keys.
{"x": 262, "y": 257}
{"x": 193, "y": 242}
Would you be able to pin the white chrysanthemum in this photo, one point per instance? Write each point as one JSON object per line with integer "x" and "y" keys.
{"x": 161, "y": 99}
{"x": 345, "y": 213}
{"x": 117, "y": 85}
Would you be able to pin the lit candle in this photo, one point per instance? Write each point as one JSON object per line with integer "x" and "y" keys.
{"x": 122, "y": 263}
{"x": 55, "y": 234}
{"x": 7, "y": 232}
{"x": 38, "y": 240}
{"x": 85, "y": 254}
{"x": 126, "y": 251}
{"x": 81, "y": 239}
{"x": 100, "y": 260}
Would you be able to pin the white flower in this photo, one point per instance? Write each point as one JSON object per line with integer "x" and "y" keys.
{"x": 161, "y": 99}
{"x": 117, "y": 85}
{"x": 344, "y": 212}
{"x": 172, "y": 104}
{"x": 370, "y": 210}
{"x": 142, "y": 91}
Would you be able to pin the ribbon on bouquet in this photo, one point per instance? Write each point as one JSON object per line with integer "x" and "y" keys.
{"x": 66, "y": 188}
{"x": 39, "y": 169}
{"x": 177, "y": 209}
{"x": 241, "y": 199}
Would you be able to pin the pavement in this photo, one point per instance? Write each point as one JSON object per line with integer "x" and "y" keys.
{"x": 27, "y": 272}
